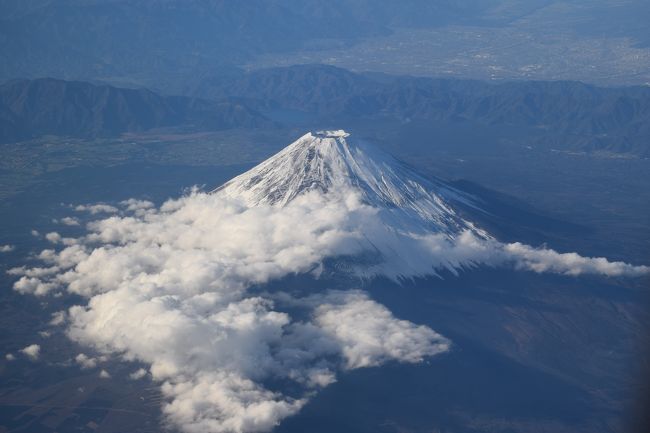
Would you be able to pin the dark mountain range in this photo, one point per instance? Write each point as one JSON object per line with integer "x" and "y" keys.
{"x": 568, "y": 116}
{"x": 589, "y": 117}
{"x": 31, "y": 108}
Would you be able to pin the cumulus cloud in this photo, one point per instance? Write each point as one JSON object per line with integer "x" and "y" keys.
{"x": 69, "y": 221}
{"x": 33, "y": 285}
{"x": 32, "y": 351}
{"x": 6, "y": 248}
{"x": 10, "y": 357}
{"x": 95, "y": 209}
{"x": 104, "y": 374}
{"x": 58, "y": 318}
{"x": 138, "y": 207}
{"x": 213, "y": 355}
{"x": 369, "y": 335}
{"x": 138, "y": 374}
{"x": 56, "y": 238}
{"x": 169, "y": 287}
{"x": 85, "y": 361}
{"x": 53, "y": 237}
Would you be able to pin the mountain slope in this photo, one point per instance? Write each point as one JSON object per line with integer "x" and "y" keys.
{"x": 331, "y": 163}
{"x": 30, "y": 108}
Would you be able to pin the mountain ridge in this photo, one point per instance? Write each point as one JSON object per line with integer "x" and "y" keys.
{"x": 583, "y": 116}
{"x": 47, "y": 106}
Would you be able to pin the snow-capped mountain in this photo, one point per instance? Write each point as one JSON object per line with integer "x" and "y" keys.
{"x": 335, "y": 164}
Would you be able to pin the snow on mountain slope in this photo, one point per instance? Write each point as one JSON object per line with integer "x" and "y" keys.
{"x": 332, "y": 163}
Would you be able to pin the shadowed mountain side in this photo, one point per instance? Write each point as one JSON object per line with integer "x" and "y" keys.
{"x": 31, "y": 108}
{"x": 513, "y": 220}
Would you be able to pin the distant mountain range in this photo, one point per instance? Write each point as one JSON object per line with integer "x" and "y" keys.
{"x": 568, "y": 116}
{"x": 163, "y": 44}
{"x": 152, "y": 42}
{"x": 584, "y": 116}
{"x": 32, "y": 108}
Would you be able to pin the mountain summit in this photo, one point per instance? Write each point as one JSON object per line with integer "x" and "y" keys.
{"x": 334, "y": 164}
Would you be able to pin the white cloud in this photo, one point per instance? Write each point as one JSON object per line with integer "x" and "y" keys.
{"x": 138, "y": 207}
{"x": 138, "y": 374}
{"x": 85, "y": 361}
{"x": 33, "y": 272}
{"x": 225, "y": 402}
{"x": 420, "y": 255}
{"x": 32, "y": 351}
{"x": 10, "y": 357}
{"x": 169, "y": 288}
{"x": 34, "y": 286}
{"x": 58, "y": 318}
{"x": 69, "y": 221}
{"x": 547, "y": 260}
{"x": 369, "y": 335}
{"x": 95, "y": 209}
{"x": 104, "y": 374}
{"x": 53, "y": 237}
{"x": 6, "y": 248}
